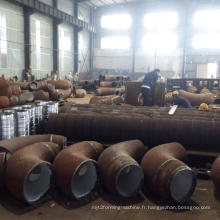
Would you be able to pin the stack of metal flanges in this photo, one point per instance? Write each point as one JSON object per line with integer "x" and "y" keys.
{"x": 7, "y": 125}
{"x": 31, "y": 112}
{"x": 194, "y": 129}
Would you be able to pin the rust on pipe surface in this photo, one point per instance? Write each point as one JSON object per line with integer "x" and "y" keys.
{"x": 112, "y": 124}
{"x": 6, "y": 92}
{"x": 29, "y": 174}
{"x": 13, "y": 100}
{"x": 80, "y": 93}
{"x": 166, "y": 174}
{"x": 4, "y": 102}
{"x": 3, "y": 83}
{"x": 109, "y": 84}
{"x": 60, "y": 94}
{"x": 17, "y": 143}
{"x": 215, "y": 173}
{"x": 41, "y": 95}
{"x": 109, "y": 91}
{"x": 2, "y": 168}
{"x": 38, "y": 85}
{"x": 87, "y": 82}
{"x": 75, "y": 168}
{"x": 120, "y": 171}
{"x": 108, "y": 100}
{"x": 60, "y": 84}
{"x": 197, "y": 99}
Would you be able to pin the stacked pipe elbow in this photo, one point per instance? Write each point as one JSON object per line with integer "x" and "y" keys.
{"x": 166, "y": 174}
{"x": 121, "y": 172}
{"x": 29, "y": 174}
{"x": 9, "y": 147}
{"x": 75, "y": 168}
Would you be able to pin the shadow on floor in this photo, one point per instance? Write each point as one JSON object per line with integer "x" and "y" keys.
{"x": 115, "y": 199}
{"x": 17, "y": 207}
{"x": 163, "y": 203}
{"x": 71, "y": 203}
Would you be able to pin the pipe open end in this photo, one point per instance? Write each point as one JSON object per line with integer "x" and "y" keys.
{"x": 182, "y": 185}
{"x": 129, "y": 180}
{"x": 33, "y": 85}
{"x": 84, "y": 179}
{"x": 60, "y": 96}
{"x": 38, "y": 182}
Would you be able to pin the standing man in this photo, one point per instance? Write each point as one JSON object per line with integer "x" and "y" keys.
{"x": 148, "y": 83}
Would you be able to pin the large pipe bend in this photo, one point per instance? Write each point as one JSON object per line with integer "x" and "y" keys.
{"x": 75, "y": 168}
{"x": 120, "y": 171}
{"x": 28, "y": 173}
{"x": 17, "y": 143}
{"x": 215, "y": 173}
{"x": 166, "y": 174}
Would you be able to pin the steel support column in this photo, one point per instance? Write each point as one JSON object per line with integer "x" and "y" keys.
{"x": 55, "y": 42}
{"x": 75, "y": 40}
{"x": 91, "y": 42}
{"x": 27, "y": 39}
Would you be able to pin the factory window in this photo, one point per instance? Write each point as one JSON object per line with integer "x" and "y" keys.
{"x": 208, "y": 19}
{"x": 212, "y": 70}
{"x": 121, "y": 42}
{"x": 3, "y": 41}
{"x": 207, "y": 29}
{"x": 161, "y": 21}
{"x": 117, "y": 21}
{"x": 207, "y": 41}
{"x": 161, "y": 36}
{"x": 163, "y": 42}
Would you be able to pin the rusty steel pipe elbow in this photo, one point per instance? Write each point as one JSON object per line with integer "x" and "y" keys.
{"x": 12, "y": 145}
{"x": 166, "y": 174}
{"x": 75, "y": 168}
{"x": 215, "y": 173}
{"x": 120, "y": 171}
{"x": 29, "y": 173}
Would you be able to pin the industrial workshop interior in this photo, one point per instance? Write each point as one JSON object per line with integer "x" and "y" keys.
{"x": 109, "y": 109}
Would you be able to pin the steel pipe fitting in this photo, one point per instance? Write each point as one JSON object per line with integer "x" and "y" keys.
{"x": 215, "y": 173}
{"x": 38, "y": 85}
{"x": 12, "y": 145}
{"x": 4, "y": 102}
{"x": 75, "y": 168}
{"x": 60, "y": 84}
{"x": 41, "y": 95}
{"x": 28, "y": 174}
{"x": 166, "y": 174}
{"x": 197, "y": 99}
{"x": 120, "y": 171}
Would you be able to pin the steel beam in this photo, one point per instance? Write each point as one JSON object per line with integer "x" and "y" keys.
{"x": 50, "y": 11}
{"x": 55, "y": 42}
{"x": 27, "y": 40}
{"x": 75, "y": 40}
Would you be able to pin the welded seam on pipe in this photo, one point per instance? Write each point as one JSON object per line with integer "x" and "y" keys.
{"x": 160, "y": 168}
{"x": 49, "y": 148}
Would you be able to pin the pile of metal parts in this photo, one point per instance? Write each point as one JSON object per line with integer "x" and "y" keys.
{"x": 19, "y": 93}
{"x": 111, "y": 85}
{"x": 25, "y": 120}
{"x": 193, "y": 128}
{"x": 124, "y": 168}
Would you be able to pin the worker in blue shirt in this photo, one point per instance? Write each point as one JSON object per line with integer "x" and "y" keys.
{"x": 147, "y": 86}
{"x": 180, "y": 101}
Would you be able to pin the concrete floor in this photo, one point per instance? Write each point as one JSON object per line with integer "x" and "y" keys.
{"x": 62, "y": 208}
{"x": 103, "y": 205}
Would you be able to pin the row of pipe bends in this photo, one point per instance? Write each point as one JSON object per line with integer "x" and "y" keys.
{"x": 124, "y": 169}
